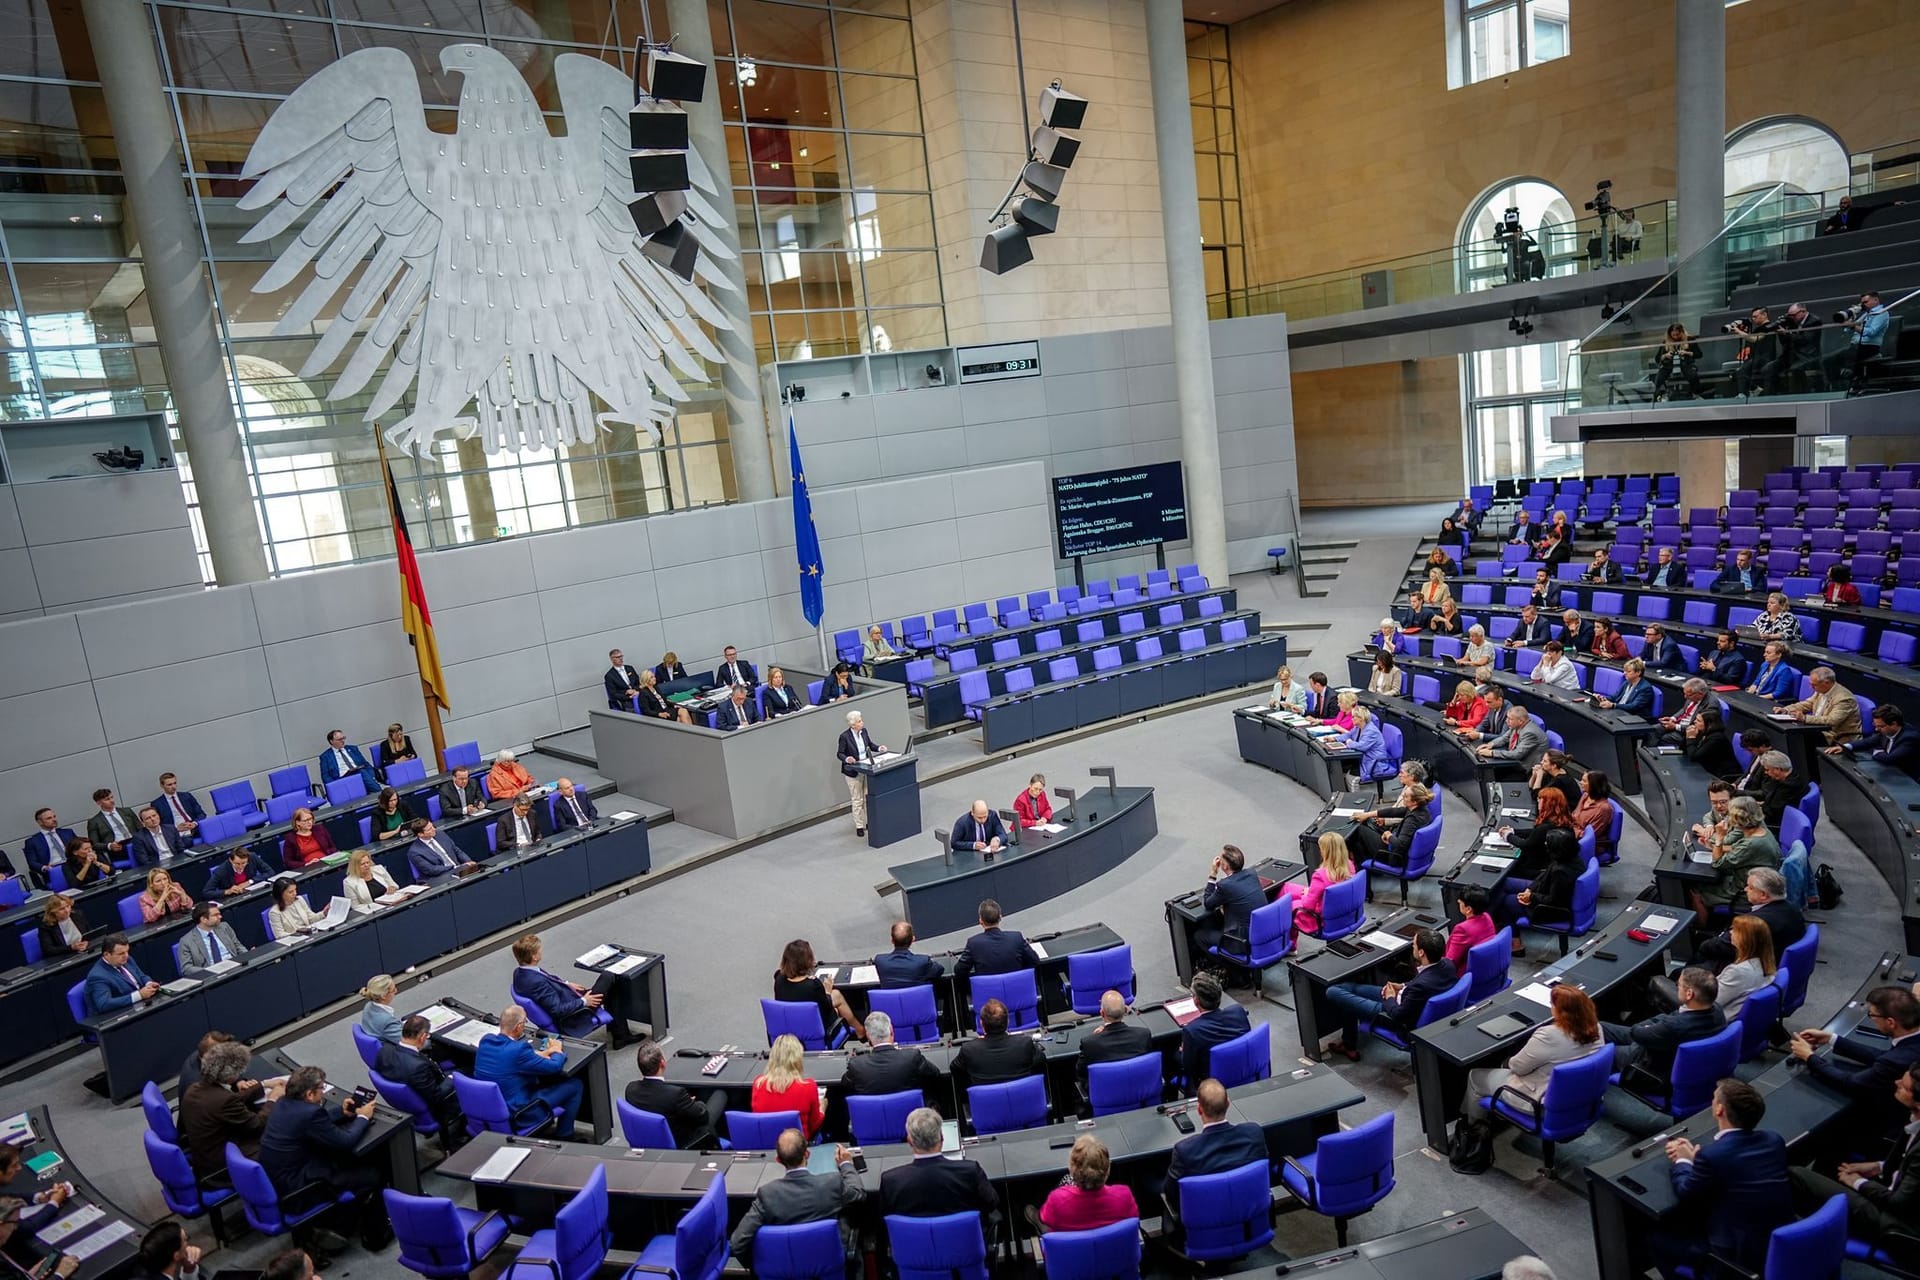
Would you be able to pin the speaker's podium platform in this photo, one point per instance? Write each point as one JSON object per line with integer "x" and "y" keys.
{"x": 893, "y": 798}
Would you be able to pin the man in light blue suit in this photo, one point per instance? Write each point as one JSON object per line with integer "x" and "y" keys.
{"x": 342, "y": 758}
{"x": 526, "y": 1074}
{"x": 115, "y": 981}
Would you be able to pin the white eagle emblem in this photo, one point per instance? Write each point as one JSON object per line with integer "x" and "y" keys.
{"x": 503, "y": 270}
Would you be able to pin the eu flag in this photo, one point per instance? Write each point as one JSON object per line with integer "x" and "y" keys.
{"x": 806, "y": 543}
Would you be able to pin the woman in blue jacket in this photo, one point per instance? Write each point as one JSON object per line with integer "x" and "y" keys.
{"x": 1775, "y": 679}
{"x": 1367, "y": 739}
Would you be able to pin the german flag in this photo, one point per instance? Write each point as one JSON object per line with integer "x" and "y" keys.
{"x": 414, "y": 618}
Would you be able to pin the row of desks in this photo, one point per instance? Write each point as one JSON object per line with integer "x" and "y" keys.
{"x": 1108, "y": 618}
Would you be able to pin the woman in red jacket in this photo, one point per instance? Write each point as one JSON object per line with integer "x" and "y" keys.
{"x": 309, "y": 841}
{"x": 1032, "y": 805}
{"x": 1468, "y": 708}
{"x": 785, "y": 1086}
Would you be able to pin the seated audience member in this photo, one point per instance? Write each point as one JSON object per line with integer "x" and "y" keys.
{"x": 1575, "y": 634}
{"x": 1894, "y": 1013}
{"x": 84, "y": 867}
{"x": 1365, "y": 737}
{"x": 1636, "y": 694}
{"x": 1435, "y": 588}
{"x": 568, "y": 1005}
{"x": 1603, "y": 569}
{"x": 1644, "y": 1051}
{"x": 1478, "y": 654}
{"x": 529, "y": 1066}
{"x": 190, "y": 1065}
{"x": 1706, "y": 743}
{"x": 1693, "y": 703}
{"x": 1335, "y": 866}
{"x": 1385, "y": 679}
{"x": 1215, "y": 1025}
{"x": 900, "y": 967}
{"x": 508, "y": 777}
{"x": 1892, "y": 742}
{"x": 1742, "y": 575}
{"x": 1086, "y": 1201}
{"x": 1593, "y": 812}
{"x": 522, "y": 826}
{"x": 242, "y": 870}
{"x": 932, "y": 1186}
{"x": 784, "y": 1086}
{"x": 734, "y": 670}
{"x": 1530, "y": 630}
{"x": 1756, "y": 744}
{"x": 461, "y": 795}
{"x": 307, "y": 842}
{"x": 622, "y": 683}
{"x": 366, "y": 880}
{"x": 779, "y": 697}
{"x": 1551, "y": 813}
{"x": 1781, "y": 788}
{"x": 890, "y": 1067}
{"x": 165, "y": 1253}
{"x": 181, "y": 810}
{"x": 876, "y": 649}
{"x": 1751, "y": 968}
{"x": 211, "y": 941}
{"x": 390, "y": 817}
{"x": 1880, "y": 1193}
{"x": 1447, "y": 620}
{"x": 1114, "y": 1039}
{"x": 1371, "y": 840}
{"x": 1666, "y": 573}
{"x": 408, "y": 1063}
{"x": 163, "y": 897}
{"x": 432, "y": 857}
{"x": 838, "y": 685}
{"x": 1554, "y": 773}
{"x": 1724, "y": 663}
{"x": 1556, "y": 669}
{"x": 46, "y": 847}
{"x": 1607, "y": 641}
{"x": 115, "y": 981}
{"x": 1839, "y": 588}
{"x": 62, "y": 928}
{"x": 1319, "y": 696}
{"x": 155, "y": 842}
{"x": 1467, "y": 708}
{"x": 799, "y": 1195}
{"x": 1572, "y": 1034}
{"x": 1556, "y": 548}
{"x": 1288, "y": 694}
{"x": 1748, "y": 844}
{"x": 1660, "y": 652}
{"x": 1414, "y": 614}
{"x": 1231, "y": 895}
{"x": 1767, "y": 903}
{"x": 1397, "y": 1002}
{"x": 1387, "y": 638}
{"x": 1545, "y": 595}
{"x": 695, "y": 1125}
{"x": 308, "y": 1140}
{"x": 1031, "y": 807}
{"x": 1733, "y": 1190}
{"x": 572, "y": 807}
{"x": 110, "y": 829}
{"x": 377, "y": 1016}
{"x": 668, "y": 669}
{"x": 1344, "y": 702}
{"x": 1439, "y": 558}
{"x": 1493, "y": 718}
{"x": 796, "y": 982}
{"x": 994, "y": 949}
{"x": 342, "y": 758}
{"x": 994, "y": 1056}
{"x": 1219, "y": 1146}
{"x": 737, "y": 712}
{"x": 1777, "y": 621}
{"x": 978, "y": 831}
{"x": 1524, "y": 529}
{"x": 394, "y": 748}
{"x": 294, "y": 1264}
{"x": 1475, "y": 927}
{"x": 1773, "y": 678}
{"x": 223, "y": 1106}
{"x": 1519, "y": 748}
{"x": 290, "y": 915}
{"x": 1831, "y": 707}
{"x": 650, "y": 701}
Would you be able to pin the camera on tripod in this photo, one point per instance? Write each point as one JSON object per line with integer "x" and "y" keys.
{"x": 1602, "y": 202}
{"x": 1509, "y": 224}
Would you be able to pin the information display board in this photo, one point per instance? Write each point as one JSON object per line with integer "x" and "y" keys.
{"x": 1102, "y": 511}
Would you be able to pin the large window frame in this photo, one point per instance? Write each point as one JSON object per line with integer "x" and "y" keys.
{"x": 1539, "y": 31}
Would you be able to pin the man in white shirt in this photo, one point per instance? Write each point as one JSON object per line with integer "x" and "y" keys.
{"x": 155, "y": 842}
{"x": 520, "y": 827}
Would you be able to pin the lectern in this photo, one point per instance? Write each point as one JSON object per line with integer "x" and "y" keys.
{"x": 893, "y": 799}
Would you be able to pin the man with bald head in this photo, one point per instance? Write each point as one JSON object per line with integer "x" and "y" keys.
{"x": 800, "y": 1196}
{"x": 1115, "y": 1039}
{"x": 1219, "y": 1146}
{"x": 901, "y": 967}
{"x": 572, "y": 807}
{"x": 979, "y": 831}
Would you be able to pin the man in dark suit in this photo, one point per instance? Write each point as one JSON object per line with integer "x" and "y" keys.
{"x": 1895, "y": 1014}
{"x": 432, "y": 856}
{"x": 1741, "y": 576}
{"x": 408, "y": 1063}
{"x": 737, "y": 712}
{"x": 996, "y": 1057}
{"x": 241, "y": 870}
{"x": 155, "y": 842}
{"x": 115, "y": 982}
{"x": 568, "y": 1005}
{"x": 1575, "y": 635}
{"x": 1661, "y": 653}
{"x": 696, "y": 1126}
{"x": 800, "y": 1196}
{"x": 342, "y": 758}
{"x": 1233, "y": 894}
{"x": 1883, "y": 1196}
{"x": 1767, "y": 900}
{"x": 178, "y": 807}
{"x": 1320, "y": 699}
{"x": 306, "y": 1140}
{"x": 1523, "y": 529}
{"x": 1893, "y": 741}
{"x": 522, "y": 826}
{"x": 1666, "y": 572}
{"x": 993, "y": 949}
{"x": 47, "y": 846}
{"x": 1782, "y": 787}
{"x": 734, "y": 670}
{"x": 1114, "y": 1040}
{"x": 1397, "y": 1002}
{"x": 1531, "y": 630}
{"x": 572, "y": 807}
{"x": 623, "y": 683}
{"x": 978, "y": 831}
{"x": 888, "y": 1068}
{"x": 1646, "y": 1048}
{"x": 460, "y": 795}
{"x": 934, "y": 1186}
{"x": 900, "y": 967}
{"x": 1636, "y": 694}
{"x": 1737, "y": 1182}
{"x": 1219, "y": 1147}
{"x": 856, "y": 747}
{"x": 1725, "y": 663}
{"x": 1215, "y": 1025}
{"x": 1469, "y": 516}
{"x": 1602, "y": 570}
{"x": 110, "y": 828}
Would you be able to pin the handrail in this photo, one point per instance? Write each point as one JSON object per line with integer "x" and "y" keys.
{"x": 1299, "y": 558}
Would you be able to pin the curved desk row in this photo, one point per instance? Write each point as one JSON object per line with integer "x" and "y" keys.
{"x": 1105, "y": 827}
{"x": 1510, "y": 804}
{"x": 1878, "y": 806}
{"x": 88, "y": 1223}
{"x": 280, "y": 982}
{"x": 1266, "y": 739}
{"x": 1108, "y": 617}
{"x": 1710, "y": 608}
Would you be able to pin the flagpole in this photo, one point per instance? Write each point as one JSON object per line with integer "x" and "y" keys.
{"x": 820, "y": 634}
{"x": 438, "y": 734}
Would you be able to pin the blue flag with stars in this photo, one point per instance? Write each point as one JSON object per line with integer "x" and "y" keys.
{"x": 806, "y": 543}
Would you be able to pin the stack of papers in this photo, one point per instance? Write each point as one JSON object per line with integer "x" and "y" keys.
{"x": 469, "y": 1034}
{"x": 598, "y": 956}
{"x": 1256, "y": 707}
{"x": 337, "y": 910}
{"x": 87, "y": 1246}
{"x": 1039, "y": 949}
{"x": 625, "y": 815}
{"x": 1516, "y": 813}
{"x": 1494, "y": 840}
{"x": 70, "y": 1225}
{"x": 864, "y": 975}
{"x": 1385, "y": 941}
{"x": 500, "y": 1165}
{"x": 1051, "y": 828}
{"x": 179, "y": 986}
{"x": 439, "y": 1017}
{"x": 627, "y": 964}
{"x": 1538, "y": 992}
{"x": 223, "y": 966}
{"x": 1345, "y": 813}
{"x": 885, "y": 756}
{"x": 1493, "y": 861}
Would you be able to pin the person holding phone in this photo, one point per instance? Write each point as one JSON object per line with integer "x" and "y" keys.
{"x": 308, "y": 1139}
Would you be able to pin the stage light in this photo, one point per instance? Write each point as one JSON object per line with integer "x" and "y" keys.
{"x": 1053, "y": 147}
{"x": 1060, "y": 109}
{"x": 1037, "y": 217}
{"x": 1005, "y": 248}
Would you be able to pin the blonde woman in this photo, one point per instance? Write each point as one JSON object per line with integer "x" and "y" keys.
{"x": 366, "y": 879}
{"x": 377, "y": 1017}
{"x": 163, "y": 897}
{"x": 1334, "y": 867}
{"x": 1343, "y": 718}
{"x": 1778, "y": 622}
{"x": 785, "y": 1086}
{"x": 1435, "y": 589}
{"x": 1286, "y": 693}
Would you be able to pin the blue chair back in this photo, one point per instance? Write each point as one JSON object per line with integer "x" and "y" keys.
{"x": 403, "y": 1098}
{"x": 807, "y": 1251}
{"x": 797, "y": 1018}
{"x": 1227, "y": 1215}
{"x": 1795, "y": 827}
{"x": 403, "y": 772}
{"x": 882, "y": 1117}
{"x": 1574, "y": 1096}
{"x": 1343, "y": 907}
{"x": 486, "y": 1108}
{"x": 433, "y": 1235}
{"x": 1017, "y": 1104}
{"x": 1812, "y": 1248}
{"x": 1488, "y": 964}
{"x": 346, "y": 790}
{"x": 216, "y": 828}
{"x": 759, "y": 1130}
{"x": 13, "y": 892}
{"x": 700, "y": 1239}
{"x": 294, "y": 780}
{"x": 916, "y": 1018}
{"x": 1017, "y": 990}
{"x": 1353, "y": 1170}
{"x": 129, "y": 909}
{"x": 235, "y": 797}
{"x": 1241, "y": 1060}
{"x": 1091, "y": 974}
{"x": 366, "y": 1044}
{"x": 1797, "y": 963}
{"x": 1698, "y": 1066}
{"x": 1758, "y": 1012}
{"x": 1111, "y": 1252}
{"x": 281, "y": 808}
{"x": 950, "y": 1247}
{"x": 1126, "y": 1085}
{"x": 258, "y": 1198}
{"x": 159, "y": 1115}
{"x": 643, "y": 1130}
{"x": 1269, "y": 933}
{"x": 463, "y": 753}
{"x": 179, "y": 1188}
{"x": 580, "y": 1231}
{"x": 30, "y": 946}
{"x": 536, "y": 1015}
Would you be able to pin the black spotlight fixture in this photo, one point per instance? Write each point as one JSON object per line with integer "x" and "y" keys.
{"x": 1005, "y": 248}
{"x": 1033, "y": 198}
{"x": 1521, "y": 322}
{"x": 1060, "y": 109}
{"x": 1037, "y": 217}
{"x": 657, "y": 130}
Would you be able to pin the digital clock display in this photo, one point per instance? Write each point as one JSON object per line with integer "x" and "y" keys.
{"x": 998, "y": 362}
{"x": 1000, "y": 367}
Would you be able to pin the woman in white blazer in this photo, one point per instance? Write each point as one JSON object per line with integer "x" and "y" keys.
{"x": 366, "y": 879}
{"x": 1287, "y": 694}
{"x": 289, "y": 913}
{"x": 1752, "y": 968}
{"x": 1574, "y": 1033}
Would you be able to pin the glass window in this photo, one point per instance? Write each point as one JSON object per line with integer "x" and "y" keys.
{"x": 769, "y": 31}
{"x": 1806, "y": 156}
{"x": 237, "y": 53}
{"x": 1544, "y": 245}
{"x": 874, "y": 44}
{"x": 31, "y": 45}
{"x": 1512, "y": 395}
{"x": 439, "y": 15}
{"x": 882, "y": 104}
{"x": 1498, "y": 37}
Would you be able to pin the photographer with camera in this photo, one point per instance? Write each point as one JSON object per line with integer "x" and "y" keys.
{"x": 1799, "y": 350}
{"x": 1866, "y": 322}
{"x": 1759, "y": 355}
{"x": 1678, "y": 356}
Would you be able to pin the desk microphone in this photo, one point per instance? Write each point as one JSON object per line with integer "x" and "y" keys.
{"x": 1464, "y": 1014}
{"x": 517, "y": 1141}
{"x": 1287, "y": 1267}
{"x": 1656, "y": 1140}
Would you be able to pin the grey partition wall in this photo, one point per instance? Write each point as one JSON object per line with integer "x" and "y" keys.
{"x": 234, "y": 682}
{"x": 747, "y": 781}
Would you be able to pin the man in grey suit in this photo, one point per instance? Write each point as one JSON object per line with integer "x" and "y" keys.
{"x": 210, "y": 941}
{"x": 1516, "y": 751}
{"x": 800, "y": 1196}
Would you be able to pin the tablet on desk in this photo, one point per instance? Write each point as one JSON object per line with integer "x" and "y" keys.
{"x": 1507, "y": 1024}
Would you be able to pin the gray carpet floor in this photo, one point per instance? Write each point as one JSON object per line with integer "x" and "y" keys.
{"x": 722, "y": 926}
